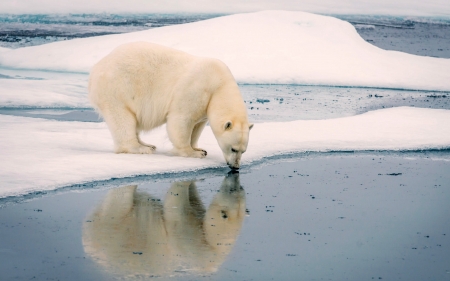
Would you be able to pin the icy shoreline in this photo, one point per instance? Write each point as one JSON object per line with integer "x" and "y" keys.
{"x": 45, "y": 155}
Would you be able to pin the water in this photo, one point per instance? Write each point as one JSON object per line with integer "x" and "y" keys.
{"x": 265, "y": 103}
{"x": 321, "y": 217}
{"x": 422, "y": 36}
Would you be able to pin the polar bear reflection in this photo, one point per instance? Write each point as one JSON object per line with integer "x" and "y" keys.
{"x": 134, "y": 234}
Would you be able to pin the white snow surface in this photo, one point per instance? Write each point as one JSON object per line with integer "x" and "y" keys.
{"x": 269, "y": 47}
{"x": 53, "y": 93}
{"x": 42, "y": 155}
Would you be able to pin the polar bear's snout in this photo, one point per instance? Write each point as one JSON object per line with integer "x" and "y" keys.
{"x": 234, "y": 162}
{"x": 234, "y": 166}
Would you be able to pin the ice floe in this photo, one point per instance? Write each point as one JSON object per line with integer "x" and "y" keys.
{"x": 269, "y": 47}
{"x": 41, "y": 155}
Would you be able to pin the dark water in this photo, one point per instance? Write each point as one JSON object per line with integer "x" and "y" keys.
{"x": 29, "y": 30}
{"x": 324, "y": 217}
{"x": 415, "y": 35}
{"x": 279, "y": 103}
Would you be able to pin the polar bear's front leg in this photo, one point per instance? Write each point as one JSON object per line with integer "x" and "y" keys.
{"x": 180, "y": 133}
{"x": 152, "y": 147}
{"x": 196, "y": 132}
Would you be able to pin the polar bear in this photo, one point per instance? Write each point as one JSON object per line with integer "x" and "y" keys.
{"x": 132, "y": 233}
{"x": 140, "y": 86}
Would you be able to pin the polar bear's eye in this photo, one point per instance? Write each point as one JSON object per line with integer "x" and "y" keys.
{"x": 234, "y": 150}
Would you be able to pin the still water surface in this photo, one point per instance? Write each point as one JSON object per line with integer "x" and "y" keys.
{"x": 318, "y": 217}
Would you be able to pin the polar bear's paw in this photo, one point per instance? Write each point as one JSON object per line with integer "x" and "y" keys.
{"x": 141, "y": 149}
{"x": 199, "y": 149}
{"x": 199, "y": 153}
{"x": 152, "y": 147}
{"x": 202, "y": 153}
{"x": 195, "y": 153}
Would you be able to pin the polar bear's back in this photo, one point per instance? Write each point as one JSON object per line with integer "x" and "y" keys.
{"x": 137, "y": 68}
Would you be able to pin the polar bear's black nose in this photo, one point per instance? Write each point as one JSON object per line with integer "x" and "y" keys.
{"x": 233, "y": 168}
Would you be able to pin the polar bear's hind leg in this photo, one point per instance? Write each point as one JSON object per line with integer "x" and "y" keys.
{"x": 122, "y": 124}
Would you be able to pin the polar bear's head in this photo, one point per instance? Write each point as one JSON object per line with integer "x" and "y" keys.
{"x": 233, "y": 141}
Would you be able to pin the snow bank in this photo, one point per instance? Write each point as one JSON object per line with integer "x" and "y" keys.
{"x": 44, "y": 155}
{"x": 276, "y": 47}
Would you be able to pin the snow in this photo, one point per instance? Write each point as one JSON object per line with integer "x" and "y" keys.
{"x": 270, "y": 47}
{"x": 2, "y": 49}
{"x": 45, "y": 155}
{"x": 43, "y": 93}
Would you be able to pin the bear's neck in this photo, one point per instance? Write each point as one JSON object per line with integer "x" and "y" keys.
{"x": 226, "y": 104}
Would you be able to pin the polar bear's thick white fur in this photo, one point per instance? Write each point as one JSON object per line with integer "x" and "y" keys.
{"x": 133, "y": 233}
{"x": 140, "y": 86}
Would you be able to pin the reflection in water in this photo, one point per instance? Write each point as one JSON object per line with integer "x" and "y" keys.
{"x": 134, "y": 234}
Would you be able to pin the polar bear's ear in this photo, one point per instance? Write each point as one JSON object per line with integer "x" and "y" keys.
{"x": 228, "y": 125}
{"x": 250, "y": 126}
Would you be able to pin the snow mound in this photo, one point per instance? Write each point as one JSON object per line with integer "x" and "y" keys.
{"x": 269, "y": 47}
{"x": 44, "y": 155}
